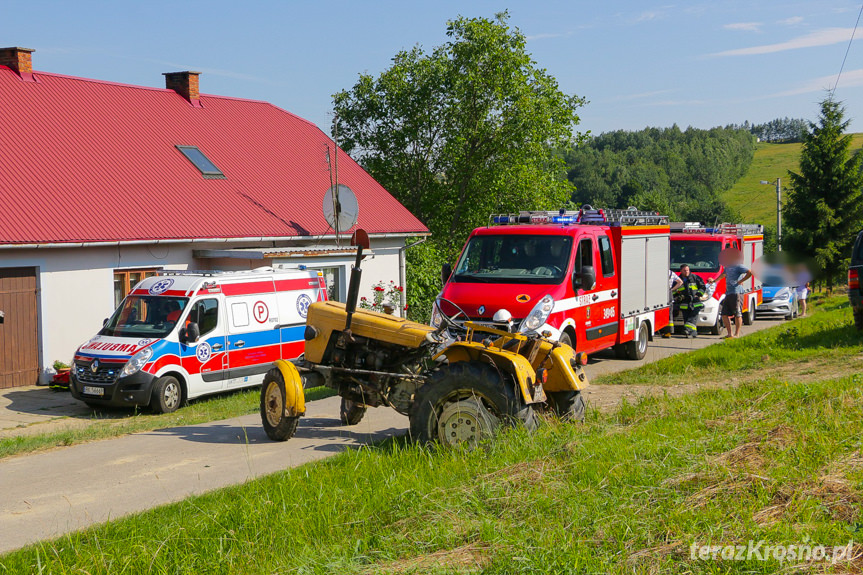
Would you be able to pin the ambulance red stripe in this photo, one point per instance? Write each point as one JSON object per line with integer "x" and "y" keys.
{"x": 297, "y": 284}
{"x": 248, "y": 288}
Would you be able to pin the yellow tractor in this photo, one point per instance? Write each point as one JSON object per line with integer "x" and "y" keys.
{"x": 453, "y": 390}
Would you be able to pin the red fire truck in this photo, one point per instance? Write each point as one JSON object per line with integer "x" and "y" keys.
{"x": 698, "y": 246}
{"x": 593, "y": 279}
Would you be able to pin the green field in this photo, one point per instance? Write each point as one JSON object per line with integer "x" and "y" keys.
{"x": 776, "y": 459}
{"x": 755, "y": 202}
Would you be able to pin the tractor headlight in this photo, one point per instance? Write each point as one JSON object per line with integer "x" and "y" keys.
{"x": 137, "y": 361}
{"x": 538, "y": 315}
{"x": 436, "y": 317}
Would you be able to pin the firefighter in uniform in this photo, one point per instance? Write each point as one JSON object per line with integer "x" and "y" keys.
{"x": 691, "y": 295}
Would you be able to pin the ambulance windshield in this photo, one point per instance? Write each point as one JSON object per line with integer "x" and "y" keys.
{"x": 540, "y": 259}
{"x": 699, "y": 255}
{"x": 145, "y": 316}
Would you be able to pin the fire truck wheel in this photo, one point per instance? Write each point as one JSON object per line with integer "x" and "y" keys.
{"x": 351, "y": 412}
{"x": 749, "y": 315}
{"x": 567, "y": 339}
{"x": 277, "y": 425}
{"x": 464, "y": 404}
{"x": 717, "y": 326}
{"x": 167, "y": 395}
{"x": 637, "y": 348}
{"x": 567, "y": 405}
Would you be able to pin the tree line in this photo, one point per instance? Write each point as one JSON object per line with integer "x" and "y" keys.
{"x": 777, "y": 131}
{"x": 677, "y": 172}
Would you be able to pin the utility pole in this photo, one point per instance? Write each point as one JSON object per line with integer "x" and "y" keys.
{"x": 778, "y": 214}
{"x": 778, "y": 183}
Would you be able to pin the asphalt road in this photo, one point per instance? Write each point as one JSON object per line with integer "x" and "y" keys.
{"x": 48, "y": 494}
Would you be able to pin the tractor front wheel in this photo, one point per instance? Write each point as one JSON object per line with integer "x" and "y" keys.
{"x": 465, "y": 403}
{"x": 351, "y": 412}
{"x": 277, "y": 425}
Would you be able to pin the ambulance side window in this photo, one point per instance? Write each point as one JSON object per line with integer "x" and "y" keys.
{"x": 240, "y": 314}
{"x": 206, "y": 314}
{"x": 606, "y": 257}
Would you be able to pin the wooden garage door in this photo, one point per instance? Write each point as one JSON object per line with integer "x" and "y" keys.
{"x": 19, "y": 351}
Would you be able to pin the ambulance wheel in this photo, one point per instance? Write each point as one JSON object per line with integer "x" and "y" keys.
{"x": 351, "y": 412}
{"x": 277, "y": 425}
{"x": 567, "y": 405}
{"x": 637, "y": 348}
{"x": 465, "y": 403}
{"x": 167, "y": 395}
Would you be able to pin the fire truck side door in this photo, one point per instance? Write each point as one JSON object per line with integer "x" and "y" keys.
{"x": 604, "y": 312}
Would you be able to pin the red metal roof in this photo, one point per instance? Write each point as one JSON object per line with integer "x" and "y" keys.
{"x": 89, "y": 161}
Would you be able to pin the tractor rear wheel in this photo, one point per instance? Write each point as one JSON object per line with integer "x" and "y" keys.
{"x": 277, "y": 425}
{"x": 465, "y": 403}
{"x": 351, "y": 412}
{"x": 567, "y": 405}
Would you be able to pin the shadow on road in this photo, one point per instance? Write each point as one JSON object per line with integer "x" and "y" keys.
{"x": 314, "y": 429}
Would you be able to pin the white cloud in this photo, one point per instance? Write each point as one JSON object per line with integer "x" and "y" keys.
{"x": 545, "y": 36}
{"x": 640, "y": 96}
{"x": 849, "y": 79}
{"x": 823, "y": 37}
{"x": 791, "y": 21}
{"x": 744, "y": 26}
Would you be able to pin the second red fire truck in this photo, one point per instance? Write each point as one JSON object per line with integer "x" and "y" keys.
{"x": 593, "y": 279}
{"x": 698, "y": 246}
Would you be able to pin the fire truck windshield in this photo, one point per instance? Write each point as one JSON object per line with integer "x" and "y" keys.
{"x": 505, "y": 258}
{"x": 700, "y": 255}
{"x": 145, "y": 316}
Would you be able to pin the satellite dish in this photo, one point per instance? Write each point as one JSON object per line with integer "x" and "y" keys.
{"x": 341, "y": 209}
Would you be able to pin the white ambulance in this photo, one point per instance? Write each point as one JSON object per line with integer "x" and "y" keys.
{"x": 181, "y": 335}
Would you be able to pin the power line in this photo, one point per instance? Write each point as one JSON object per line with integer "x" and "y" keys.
{"x": 848, "y": 49}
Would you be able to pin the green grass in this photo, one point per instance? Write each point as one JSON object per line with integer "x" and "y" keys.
{"x": 628, "y": 492}
{"x": 757, "y": 202}
{"x": 825, "y": 337}
{"x": 201, "y": 411}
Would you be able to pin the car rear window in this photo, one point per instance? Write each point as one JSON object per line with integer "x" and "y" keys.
{"x": 857, "y": 254}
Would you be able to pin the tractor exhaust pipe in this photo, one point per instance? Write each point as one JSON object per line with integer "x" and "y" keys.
{"x": 360, "y": 239}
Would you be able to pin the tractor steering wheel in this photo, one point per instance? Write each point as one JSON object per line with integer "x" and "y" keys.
{"x": 449, "y": 321}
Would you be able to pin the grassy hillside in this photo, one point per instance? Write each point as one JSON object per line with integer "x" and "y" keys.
{"x": 755, "y": 202}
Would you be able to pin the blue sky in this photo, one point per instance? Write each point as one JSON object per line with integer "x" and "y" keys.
{"x": 639, "y": 63}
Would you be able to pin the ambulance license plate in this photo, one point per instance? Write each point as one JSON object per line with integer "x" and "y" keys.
{"x": 93, "y": 390}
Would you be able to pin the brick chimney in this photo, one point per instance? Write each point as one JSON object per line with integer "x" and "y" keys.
{"x": 19, "y": 60}
{"x": 185, "y": 84}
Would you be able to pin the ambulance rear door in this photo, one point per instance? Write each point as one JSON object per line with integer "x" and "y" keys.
{"x": 294, "y": 295}
{"x": 253, "y": 336}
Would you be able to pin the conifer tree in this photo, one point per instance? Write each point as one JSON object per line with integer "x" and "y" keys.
{"x": 825, "y": 203}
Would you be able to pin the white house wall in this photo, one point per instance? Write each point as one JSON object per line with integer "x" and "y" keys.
{"x": 77, "y": 284}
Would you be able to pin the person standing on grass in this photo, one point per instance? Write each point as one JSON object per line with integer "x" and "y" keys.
{"x": 674, "y": 282}
{"x": 692, "y": 300}
{"x": 735, "y": 275}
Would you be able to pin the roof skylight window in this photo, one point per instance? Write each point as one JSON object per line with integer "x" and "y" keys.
{"x": 208, "y": 169}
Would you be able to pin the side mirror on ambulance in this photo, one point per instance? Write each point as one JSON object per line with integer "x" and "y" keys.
{"x": 191, "y": 334}
{"x": 445, "y": 273}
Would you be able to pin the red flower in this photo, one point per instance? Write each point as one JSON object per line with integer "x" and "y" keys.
{"x": 379, "y": 288}
{"x": 406, "y": 307}
{"x": 363, "y": 298}
{"x": 400, "y": 288}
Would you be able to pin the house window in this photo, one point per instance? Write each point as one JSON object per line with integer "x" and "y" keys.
{"x": 125, "y": 280}
{"x": 334, "y": 285}
{"x": 199, "y": 160}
